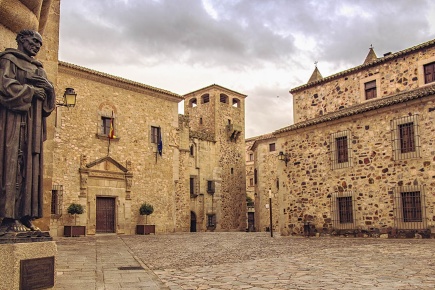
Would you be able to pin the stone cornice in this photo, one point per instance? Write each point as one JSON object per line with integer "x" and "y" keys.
{"x": 365, "y": 107}
{"x": 115, "y": 81}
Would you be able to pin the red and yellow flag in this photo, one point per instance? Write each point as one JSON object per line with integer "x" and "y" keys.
{"x": 112, "y": 130}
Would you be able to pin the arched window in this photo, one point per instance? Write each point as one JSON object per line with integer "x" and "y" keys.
{"x": 223, "y": 98}
{"x": 192, "y": 103}
{"x": 236, "y": 103}
{"x": 205, "y": 98}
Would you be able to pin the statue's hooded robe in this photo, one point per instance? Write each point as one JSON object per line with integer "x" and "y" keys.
{"x": 22, "y": 132}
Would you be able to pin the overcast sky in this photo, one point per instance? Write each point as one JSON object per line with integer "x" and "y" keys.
{"x": 259, "y": 48}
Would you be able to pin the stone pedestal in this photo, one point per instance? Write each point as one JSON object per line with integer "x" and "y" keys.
{"x": 33, "y": 261}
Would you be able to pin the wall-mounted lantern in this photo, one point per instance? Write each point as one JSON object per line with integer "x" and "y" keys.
{"x": 69, "y": 98}
{"x": 283, "y": 157}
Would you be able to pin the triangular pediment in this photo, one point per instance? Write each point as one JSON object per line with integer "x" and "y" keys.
{"x": 107, "y": 164}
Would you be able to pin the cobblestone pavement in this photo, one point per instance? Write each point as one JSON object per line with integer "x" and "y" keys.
{"x": 248, "y": 261}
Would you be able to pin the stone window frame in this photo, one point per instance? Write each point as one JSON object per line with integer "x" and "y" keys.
{"x": 335, "y": 164}
{"x": 420, "y": 71}
{"x": 236, "y": 103}
{"x": 107, "y": 111}
{"x": 399, "y": 211}
{"x": 396, "y": 141}
{"x": 335, "y": 210}
{"x": 363, "y": 83}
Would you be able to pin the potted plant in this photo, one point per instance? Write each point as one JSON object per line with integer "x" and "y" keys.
{"x": 145, "y": 210}
{"x": 75, "y": 230}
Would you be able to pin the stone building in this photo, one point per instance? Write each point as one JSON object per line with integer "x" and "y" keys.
{"x": 359, "y": 158}
{"x": 189, "y": 167}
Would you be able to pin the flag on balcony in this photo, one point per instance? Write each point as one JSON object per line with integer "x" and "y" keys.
{"x": 112, "y": 129}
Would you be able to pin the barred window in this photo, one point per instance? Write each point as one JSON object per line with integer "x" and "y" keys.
{"x": 211, "y": 220}
{"x": 405, "y": 137}
{"x": 210, "y": 186}
{"x": 409, "y": 207}
{"x": 343, "y": 210}
{"x": 205, "y": 98}
{"x": 56, "y": 200}
{"x": 223, "y": 98}
{"x": 340, "y": 150}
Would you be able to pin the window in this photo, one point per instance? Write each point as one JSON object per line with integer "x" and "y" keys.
{"x": 56, "y": 200}
{"x": 105, "y": 123}
{"x": 211, "y": 220}
{"x": 156, "y": 135}
{"x": 232, "y": 170}
{"x": 223, "y": 98}
{"x": 429, "y": 73}
{"x": 236, "y": 103}
{"x": 405, "y": 137}
{"x": 210, "y": 186}
{"x": 192, "y": 148}
{"x": 193, "y": 185}
{"x": 192, "y": 103}
{"x": 255, "y": 176}
{"x": 277, "y": 183}
{"x": 251, "y": 181}
{"x": 343, "y": 215}
{"x": 205, "y": 98}
{"x": 200, "y": 120}
{"x": 370, "y": 90}
{"x": 410, "y": 207}
{"x": 340, "y": 150}
{"x": 407, "y": 142}
{"x": 251, "y": 157}
{"x": 342, "y": 155}
{"x": 271, "y": 147}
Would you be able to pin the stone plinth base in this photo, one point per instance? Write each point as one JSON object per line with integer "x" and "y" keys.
{"x": 38, "y": 257}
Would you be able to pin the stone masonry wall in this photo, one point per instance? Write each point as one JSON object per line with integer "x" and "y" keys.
{"x": 309, "y": 182}
{"x": 395, "y": 75}
{"x": 135, "y": 111}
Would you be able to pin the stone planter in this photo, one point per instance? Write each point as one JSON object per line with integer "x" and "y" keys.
{"x": 145, "y": 229}
{"x": 74, "y": 231}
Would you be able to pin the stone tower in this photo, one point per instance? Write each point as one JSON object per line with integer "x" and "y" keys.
{"x": 216, "y": 158}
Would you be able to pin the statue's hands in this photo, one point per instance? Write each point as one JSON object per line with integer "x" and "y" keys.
{"x": 40, "y": 82}
{"x": 40, "y": 94}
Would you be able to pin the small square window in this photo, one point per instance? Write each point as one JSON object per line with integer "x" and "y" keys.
{"x": 370, "y": 90}
{"x": 272, "y": 147}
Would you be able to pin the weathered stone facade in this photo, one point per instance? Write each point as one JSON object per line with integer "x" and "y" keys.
{"x": 112, "y": 178}
{"x": 377, "y": 183}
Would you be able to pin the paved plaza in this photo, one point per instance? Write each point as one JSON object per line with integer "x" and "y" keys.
{"x": 243, "y": 261}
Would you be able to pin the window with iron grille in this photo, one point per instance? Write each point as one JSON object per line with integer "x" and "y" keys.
{"x": 211, "y": 220}
{"x": 56, "y": 200}
{"x": 370, "y": 90}
{"x": 429, "y": 73}
{"x": 343, "y": 210}
{"x": 340, "y": 150}
{"x": 410, "y": 210}
{"x": 406, "y": 142}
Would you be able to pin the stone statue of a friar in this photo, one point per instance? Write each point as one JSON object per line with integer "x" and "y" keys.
{"x": 26, "y": 99}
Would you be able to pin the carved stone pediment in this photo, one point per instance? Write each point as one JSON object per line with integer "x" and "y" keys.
{"x": 104, "y": 168}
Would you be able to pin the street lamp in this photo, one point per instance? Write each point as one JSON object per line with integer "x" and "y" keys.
{"x": 69, "y": 98}
{"x": 270, "y": 213}
{"x": 283, "y": 157}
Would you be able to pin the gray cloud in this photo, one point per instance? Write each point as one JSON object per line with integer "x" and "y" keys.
{"x": 235, "y": 38}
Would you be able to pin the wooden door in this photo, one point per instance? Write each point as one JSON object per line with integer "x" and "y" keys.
{"x": 105, "y": 215}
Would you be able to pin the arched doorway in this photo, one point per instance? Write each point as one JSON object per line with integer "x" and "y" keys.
{"x": 192, "y": 221}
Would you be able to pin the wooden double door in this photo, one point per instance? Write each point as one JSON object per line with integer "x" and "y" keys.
{"x": 105, "y": 222}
